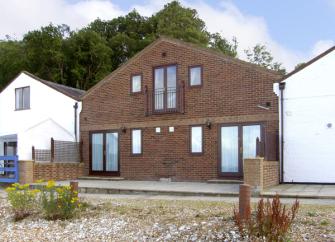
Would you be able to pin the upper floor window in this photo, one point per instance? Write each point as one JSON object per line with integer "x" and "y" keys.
{"x": 195, "y": 75}
{"x": 165, "y": 88}
{"x": 136, "y": 83}
{"x": 22, "y": 98}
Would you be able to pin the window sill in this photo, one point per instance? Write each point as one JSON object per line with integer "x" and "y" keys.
{"x": 197, "y": 153}
{"x": 21, "y": 109}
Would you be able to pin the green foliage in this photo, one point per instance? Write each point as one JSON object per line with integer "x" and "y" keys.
{"x": 181, "y": 23}
{"x": 125, "y": 35}
{"x": 12, "y": 60}
{"x": 271, "y": 221}
{"x": 58, "y": 202}
{"x": 22, "y": 200}
{"x": 44, "y": 52}
{"x": 88, "y": 58}
{"x": 223, "y": 45}
{"x": 54, "y": 202}
{"x": 259, "y": 55}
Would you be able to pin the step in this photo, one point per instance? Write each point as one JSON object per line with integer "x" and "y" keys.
{"x": 98, "y": 190}
{"x": 101, "y": 178}
{"x": 225, "y": 181}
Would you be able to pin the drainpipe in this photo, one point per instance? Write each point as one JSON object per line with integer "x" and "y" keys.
{"x": 75, "y": 106}
{"x": 281, "y": 88}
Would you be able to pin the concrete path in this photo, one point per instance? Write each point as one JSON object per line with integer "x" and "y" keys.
{"x": 302, "y": 191}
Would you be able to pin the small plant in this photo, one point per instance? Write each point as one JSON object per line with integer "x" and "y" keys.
{"x": 324, "y": 222}
{"x": 271, "y": 221}
{"x": 22, "y": 200}
{"x": 58, "y": 202}
{"x": 311, "y": 214}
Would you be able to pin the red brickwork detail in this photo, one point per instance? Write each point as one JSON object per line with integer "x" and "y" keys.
{"x": 231, "y": 91}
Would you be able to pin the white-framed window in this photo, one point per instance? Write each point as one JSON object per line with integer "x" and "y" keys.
{"x": 136, "y": 83}
{"x": 196, "y": 139}
{"x": 195, "y": 75}
{"x": 171, "y": 129}
{"x": 22, "y": 98}
{"x": 136, "y": 141}
{"x": 157, "y": 130}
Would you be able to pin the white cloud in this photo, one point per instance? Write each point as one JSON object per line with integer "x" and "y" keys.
{"x": 321, "y": 46}
{"x": 18, "y": 17}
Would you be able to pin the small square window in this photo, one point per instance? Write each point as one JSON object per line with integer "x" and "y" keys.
{"x": 171, "y": 129}
{"x": 195, "y": 76}
{"x": 158, "y": 130}
{"x": 136, "y": 83}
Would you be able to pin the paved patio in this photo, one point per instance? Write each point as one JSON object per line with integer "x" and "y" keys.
{"x": 199, "y": 189}
{"x": 302, "y": 191}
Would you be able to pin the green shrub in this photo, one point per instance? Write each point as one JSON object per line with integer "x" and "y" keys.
{"x": 22, "y": 200}
{"x": 271, "y": 222}
{"x": 58, "y": 202}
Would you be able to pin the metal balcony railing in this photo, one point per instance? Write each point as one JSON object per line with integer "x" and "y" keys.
{"x": 164, "y": 100}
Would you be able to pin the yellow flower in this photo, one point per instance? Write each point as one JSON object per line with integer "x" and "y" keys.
{"x": 51, "y": 184}
{"x": 10, "y": 189}
{"x": 59, "y": 190}
{"x": 40, "y": 181}
{"x": 35, "y": 191}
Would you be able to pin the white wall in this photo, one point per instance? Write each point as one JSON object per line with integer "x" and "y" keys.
{"x": 45, "y": 104}
{"x": 309, "y": 107}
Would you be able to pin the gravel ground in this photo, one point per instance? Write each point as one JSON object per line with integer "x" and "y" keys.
{"x": 155, "y": 220}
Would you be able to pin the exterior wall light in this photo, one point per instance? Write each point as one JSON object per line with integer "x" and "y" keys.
{"x": 208, "y": 124}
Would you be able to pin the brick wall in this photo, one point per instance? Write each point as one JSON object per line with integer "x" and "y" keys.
{"x": 230, "y": 93}
{"x": 270, "y": 173}
{"x": 31, "y": 171}
{"x": 260, "y": 174}
{"x": 26, "y": 171}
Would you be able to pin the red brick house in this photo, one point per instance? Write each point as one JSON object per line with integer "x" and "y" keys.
{"x": 179, "y": 111}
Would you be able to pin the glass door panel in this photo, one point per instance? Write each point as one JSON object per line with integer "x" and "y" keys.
{"x": 229, "y": 149}
{"x": 112, "y": 152}
{"x": 97, "y": 152}
{"x": 171, "y": 86}
{"x": 159, "y": 88}
{"x": 250, "y": 134}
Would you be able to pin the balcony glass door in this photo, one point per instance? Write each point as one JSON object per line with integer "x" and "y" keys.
{"x": 104, "y": 153}
{"x": 165, "y": 88}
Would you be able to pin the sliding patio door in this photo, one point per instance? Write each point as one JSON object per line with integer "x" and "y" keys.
{"x": 237, "y": 142}
{"x": 104, "y": 153}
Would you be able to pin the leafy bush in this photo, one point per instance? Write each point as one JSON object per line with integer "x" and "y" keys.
{"x": 22, "y": 200}
{"x": 58, "y": 202}
{"x": 271, "y": 222}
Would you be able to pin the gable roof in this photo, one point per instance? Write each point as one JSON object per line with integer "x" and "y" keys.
{"x": 71, "y": 92}
{"x": 303, "y": 66}
{"x": 186, "y": 45}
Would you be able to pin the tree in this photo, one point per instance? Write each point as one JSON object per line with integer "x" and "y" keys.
{"x": 181, "y": 23}
{"x": 44, "y": 52}
{"x": 299, "y": 65}
{"x": 126, "y": 35}
{"x": 12, "y": 60}
{"x": 88, "y": 58}
{"x": 221, "y": 44}
{"x": 259, "y": 55}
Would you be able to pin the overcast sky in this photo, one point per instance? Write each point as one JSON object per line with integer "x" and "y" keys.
{"x": 294, "y": 30}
